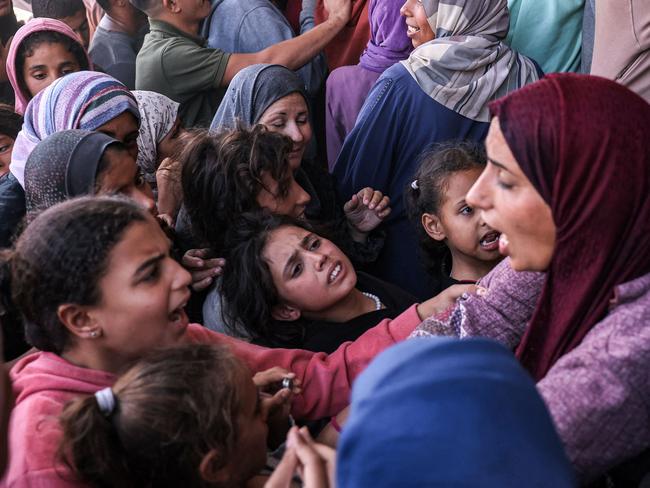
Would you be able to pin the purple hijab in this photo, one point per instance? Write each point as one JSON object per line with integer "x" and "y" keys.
{"x": 388, "y": 42}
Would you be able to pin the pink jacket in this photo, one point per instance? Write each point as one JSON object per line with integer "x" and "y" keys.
{"x": 44, "y": 382}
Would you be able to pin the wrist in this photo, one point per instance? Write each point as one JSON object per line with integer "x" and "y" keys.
{"x": 356, "y": 234}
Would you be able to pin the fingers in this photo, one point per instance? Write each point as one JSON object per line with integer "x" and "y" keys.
{"x": 272, "y": 375}
{"x": 314, "y": 466}
{"x": 194, "y": 258}
{"x": 365, "y": 196}
{"x": 456, "y": 291}
{"x": 202, "y": 285}
{"x": 352, "y": 204}
{"x": 283, "y": 473}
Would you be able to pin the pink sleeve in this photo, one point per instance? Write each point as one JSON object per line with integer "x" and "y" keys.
{"x": 326, "y": 379}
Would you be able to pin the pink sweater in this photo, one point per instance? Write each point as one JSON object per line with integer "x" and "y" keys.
{"x": 44, "y": 382}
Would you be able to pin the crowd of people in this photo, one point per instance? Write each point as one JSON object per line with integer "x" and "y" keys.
{"x": 325, "y": 243}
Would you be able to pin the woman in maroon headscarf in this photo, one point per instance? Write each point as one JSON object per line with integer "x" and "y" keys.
{"x": 568, "y": 185}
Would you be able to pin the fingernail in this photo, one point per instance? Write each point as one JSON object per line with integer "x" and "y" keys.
{"x": 481, "y": 291}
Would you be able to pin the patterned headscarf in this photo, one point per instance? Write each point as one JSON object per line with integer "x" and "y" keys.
{"x": 467, "y": 65}
{"x": 252, "y": 91}
{"x": 62, "y": 166}
{"x": 35, "y": 25}
{"x": 84, "y": 100}
{"x": 159, "y": 114}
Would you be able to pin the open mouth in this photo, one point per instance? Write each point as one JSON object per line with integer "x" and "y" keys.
{"x": 490, "y": 241}
{"x": 411, "y": 30}
{"x": 334, "y": 273}
{"x": 178, "y": 316}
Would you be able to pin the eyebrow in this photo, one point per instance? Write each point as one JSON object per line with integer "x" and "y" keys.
{"x": 43, "y": 66}
{"x": 294, "y": 255}
{"x": 498, "y": 164}
{"x": 148, "y": 263}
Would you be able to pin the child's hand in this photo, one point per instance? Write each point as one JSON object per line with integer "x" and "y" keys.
{"x": 445, "y": 300}
{"x": 315, "y": 463}
{"x": 202, "y": 267}
{"x": 276, "y": 401}
{"x": 366, "y": 210}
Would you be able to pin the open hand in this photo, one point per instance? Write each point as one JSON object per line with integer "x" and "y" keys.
{"x": 367, "y": 209}
{"x": 202, "y": 267}
{"x": 445, "y": 300}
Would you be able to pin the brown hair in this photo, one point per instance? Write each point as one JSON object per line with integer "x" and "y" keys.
{"x": 172, "y": 409}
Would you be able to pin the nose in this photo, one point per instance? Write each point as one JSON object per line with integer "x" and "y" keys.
{"x": 302, "y": 197}
{"x": 295, "y": 133}
{"x": 182, "y": 278}
{"x": 404, "y": 9}
{"x": 478, "y": 194}
{"x": 319, "y": 259}
{"x": 145, "y": 200}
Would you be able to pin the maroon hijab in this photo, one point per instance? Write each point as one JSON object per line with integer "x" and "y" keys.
{"x": 584, "y": 143}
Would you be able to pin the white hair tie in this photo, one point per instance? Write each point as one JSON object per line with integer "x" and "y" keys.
{"x": 106, "y": 401}
{"x": 414, "y": 185}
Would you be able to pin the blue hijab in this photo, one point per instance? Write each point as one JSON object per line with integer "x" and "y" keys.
{"x": 441, "y": 412}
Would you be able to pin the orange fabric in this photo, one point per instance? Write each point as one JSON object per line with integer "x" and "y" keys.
{"x": 346, "y": 48}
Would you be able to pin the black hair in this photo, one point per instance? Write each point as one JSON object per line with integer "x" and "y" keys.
{"x": 222, "y": 177}
{"x": 60, "y": 258}
{"x": 10, "y": 121}
{"x": 56, "y": 9}
{"x": 427, "y": 192}
{"x": 247, "y": 287}
{"x": 34, "y": 40}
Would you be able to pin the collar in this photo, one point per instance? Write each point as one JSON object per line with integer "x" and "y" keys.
{"x": 170, "y": 30}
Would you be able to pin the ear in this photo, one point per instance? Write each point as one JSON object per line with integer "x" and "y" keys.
{"x": 171, "y": 6}
{"x": 78, "y": 321}
{"x": 433, "y": 227}
{"x": 285, "y": 313}
{"x": 209, "y": 471}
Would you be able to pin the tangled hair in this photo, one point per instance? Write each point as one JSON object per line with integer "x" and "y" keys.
{"x": 222, "y": 177}
{"x": 10, "y": 121}
{"x": 33, "y": 41}
{"x": 247, "y": 286}
{"x": 56, "y": 9}
{"x": 61, "y": 257}
{"x": 435, "y": 167}
{"x": 172, "y": 408}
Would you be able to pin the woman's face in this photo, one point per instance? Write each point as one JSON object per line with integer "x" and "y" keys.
{"x": 6, "y": 146}
{"x": 48, "y": 62}
{"x": 122, "y": 176}
{"x": 290, "y": 116}
{"x": 123, "y": 128}
{"x": 511, "y": 205}
{"x": 417, "y": 25}
{"x": 310, "y": 273}
{"x": 293, "y": 204}
{"x": 170, "y": 144}
{"x": 143, "y": 293}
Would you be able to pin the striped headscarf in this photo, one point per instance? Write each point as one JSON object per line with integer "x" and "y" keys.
{"x": 84, "y": 100}
{"x": 467, "y": 65}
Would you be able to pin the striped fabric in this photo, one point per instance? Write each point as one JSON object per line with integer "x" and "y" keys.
{"x": 467, "y": 65}
{"x": 83, "y": 100}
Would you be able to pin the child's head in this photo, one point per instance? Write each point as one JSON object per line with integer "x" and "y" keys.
{"x": 43, "y": 51}
{"x": 70, "y": 12}
{"x": 189, "y": 415}
{"x": 232, "y": 172}
{"x": 10, "y": 124}
{"x": 279, "y": 270}
{"x": 449, "y": 228}
{"x": 94, "y": 276}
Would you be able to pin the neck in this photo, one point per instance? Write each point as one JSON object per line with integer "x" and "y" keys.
{"x": 350, "y": 307}
{"x": 189, "y": 27}
{"x": 124, "y": 21}
{"x": 467, "y": 268}
{"x": 96, "y": 358}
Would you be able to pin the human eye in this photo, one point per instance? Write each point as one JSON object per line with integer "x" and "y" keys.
{"x": 502, "y": 182}
{"x": 152, "y": 274}
{"x": 4, "y": 148}
{"x": 39, "y": 75}
{"x": 302, "y": 119}
{"x": 466, "y": 210}
{"x": 314, "y": 244}
{"x": 296, "y": 270}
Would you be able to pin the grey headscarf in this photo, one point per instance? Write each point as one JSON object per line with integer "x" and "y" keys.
{"x": 252, "y": 91}
{"x": 467, "y": 65}
{"x": 62, "y": 166}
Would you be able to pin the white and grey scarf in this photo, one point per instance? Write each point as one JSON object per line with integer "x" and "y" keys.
{"x": 467, "y": 65}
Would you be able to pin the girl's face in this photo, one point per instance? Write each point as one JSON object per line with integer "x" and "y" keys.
{"x": 122, "y": 176}
{"x": 48, "y": 62}
{"x": 123, "y": 128}
{"x": 310, "y": 273}
{"x": 143, "y": 293}
{"x": 460, "y": 225}
{"x": 511, "y": 204}
{"x": 170, "y": 144}
{"x": 293, "y": 204}
{"x": 417, "y": 25}
{"x": 6, "y": 146}
{"x": 290, "y": 116}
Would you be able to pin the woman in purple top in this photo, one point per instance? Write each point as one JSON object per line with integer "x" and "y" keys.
{"x": 568, "y": 185}
{"x": 348, "y": 86}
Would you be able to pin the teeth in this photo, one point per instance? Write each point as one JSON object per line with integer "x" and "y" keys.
{"x": 412, "y": 29}
{"x": 335, "y": 272}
